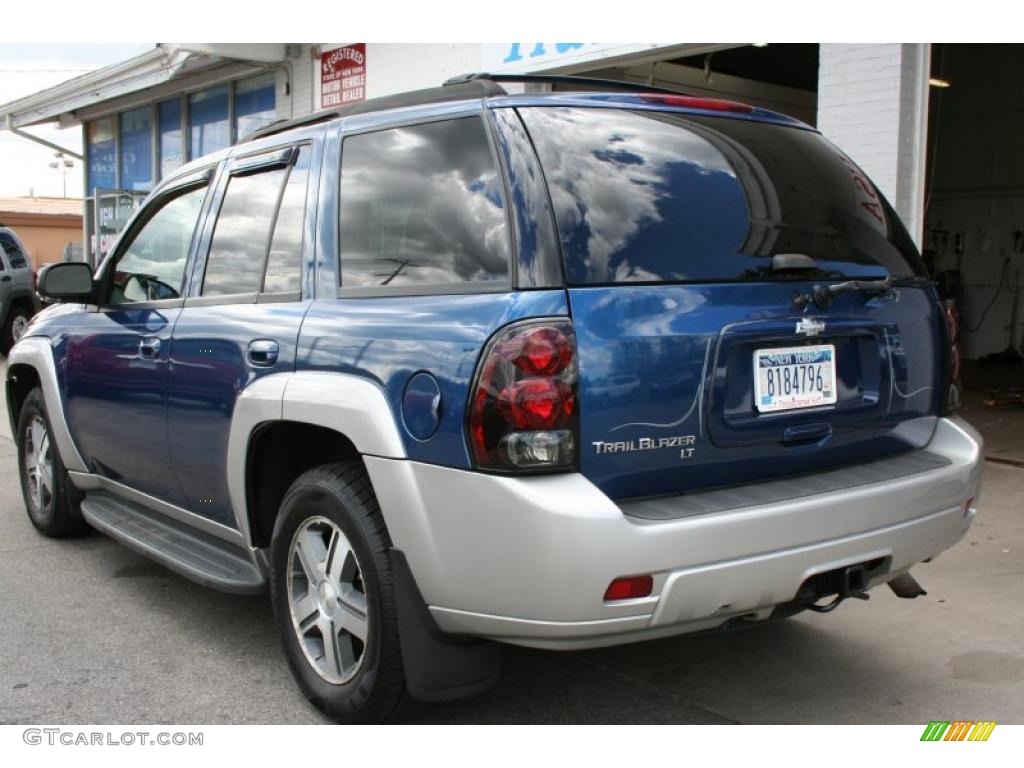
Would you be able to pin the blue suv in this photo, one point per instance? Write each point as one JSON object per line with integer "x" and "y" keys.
{"x": 461, "y": 367}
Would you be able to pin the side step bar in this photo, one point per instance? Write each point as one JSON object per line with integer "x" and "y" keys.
{"x": 193, "y": 554}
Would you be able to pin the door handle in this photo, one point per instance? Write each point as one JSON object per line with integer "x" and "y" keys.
{"x": 263, "y": 352}
{"x": 149, "y": 348}
{"x": 6, "y": 278}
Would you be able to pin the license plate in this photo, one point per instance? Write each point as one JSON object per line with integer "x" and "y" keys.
{"x": 794, "y": 377}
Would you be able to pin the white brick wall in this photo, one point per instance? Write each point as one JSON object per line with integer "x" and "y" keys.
{"x": 873, "y": 103}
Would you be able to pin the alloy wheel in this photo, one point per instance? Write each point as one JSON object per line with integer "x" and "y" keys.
{"x": 39, "y": 465}
{"x": 18, "y": 326}
{"x": 327, "y": 600}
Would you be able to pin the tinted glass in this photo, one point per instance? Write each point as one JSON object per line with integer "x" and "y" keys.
{"x": 136, "y": 148}
{"x": 659, "y": 197}
{"x": 421, "y": 206}
{"x": 208, "y": 121}
{"x": 152, "y": 267}
{"x": 242, "y": 232}
{"x": 284, "y": 263}
{"x": 15, "y": 256}
{"x": 171, "y": 147}
{"x": 254, "y": 104}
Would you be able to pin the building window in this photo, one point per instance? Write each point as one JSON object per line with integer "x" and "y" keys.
{"x": 254, "y": 104}
{"x": 172, "y": 148}
{"x": 208, "y": 121}
{"x": 136, "y": 149}
{"x": 102, "y": 171}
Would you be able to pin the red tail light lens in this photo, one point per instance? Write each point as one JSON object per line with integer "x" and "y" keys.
{"x": 537, "y": 403}
{"x": 696, "y": 102}
{"x": 543, "y": 352}
{"x": 522, "y": 413}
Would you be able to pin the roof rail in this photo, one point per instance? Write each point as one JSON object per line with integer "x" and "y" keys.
{"x": 470, "y": 89}
{"x": 591, "y": 82}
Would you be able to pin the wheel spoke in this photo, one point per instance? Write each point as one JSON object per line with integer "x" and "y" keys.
{"x": 337, "y": 557}
{"x": 330, "y": 659}
{"x": 352, "y": 616}
{"x": 38, "y": 430}
{"x": 311, "y": 554}
{"x": 305, "y": 611}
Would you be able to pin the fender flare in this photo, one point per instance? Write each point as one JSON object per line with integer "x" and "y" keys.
{"x": 354, "y": 406}
{"x": 12, "y": 298}
{"x": 36, "y": 352}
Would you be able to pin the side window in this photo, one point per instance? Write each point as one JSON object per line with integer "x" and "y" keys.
{"x": 284, "y": 262}
{"x": 13, "y": 252}
{"x": 152, "y": 267}
{"x": 422, "y": 206}
{"x": 259, "y": 230}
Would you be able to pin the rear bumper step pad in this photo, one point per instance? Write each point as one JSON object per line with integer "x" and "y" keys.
{"x": 786, "y": 489}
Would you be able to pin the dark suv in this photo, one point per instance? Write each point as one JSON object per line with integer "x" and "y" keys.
{"x": 18, "y": 300}
{"x": 560, "y": 370}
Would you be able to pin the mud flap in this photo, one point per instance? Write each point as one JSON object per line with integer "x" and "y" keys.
{"x": 438, "y": 667}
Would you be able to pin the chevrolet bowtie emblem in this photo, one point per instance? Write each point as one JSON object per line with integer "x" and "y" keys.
{"x": 809, "y": 327}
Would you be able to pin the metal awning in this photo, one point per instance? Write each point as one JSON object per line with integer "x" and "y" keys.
{"x": 136, "y": 79}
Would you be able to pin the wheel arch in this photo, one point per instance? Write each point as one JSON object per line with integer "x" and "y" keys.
{"x": 17, "y": 299}
{"x": 284, "y": 424}
{"x": 35, "y": 354}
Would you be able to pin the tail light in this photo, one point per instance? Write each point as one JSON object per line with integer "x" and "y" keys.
{"x": 523, "y": 408}
{"x": 952, "y": 314}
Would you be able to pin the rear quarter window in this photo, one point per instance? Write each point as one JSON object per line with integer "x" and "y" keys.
{"x": 422, "y": 208}
{"x": 666, "y": 197}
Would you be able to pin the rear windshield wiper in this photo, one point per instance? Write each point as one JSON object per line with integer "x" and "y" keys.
{"x": 822, "y": 295}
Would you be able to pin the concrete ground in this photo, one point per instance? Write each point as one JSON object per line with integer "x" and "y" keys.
{"x": 92, "y": 633}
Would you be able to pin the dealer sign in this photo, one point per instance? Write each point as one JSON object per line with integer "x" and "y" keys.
{"x": 343, "y": 75}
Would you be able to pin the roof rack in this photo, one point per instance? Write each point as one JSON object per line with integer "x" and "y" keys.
{"x": 470, "y": 89}
{"x": 473, "y": 85}
{"x": 591, "y": 82}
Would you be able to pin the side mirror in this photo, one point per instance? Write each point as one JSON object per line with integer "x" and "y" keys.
{"x": 67, "y": 281}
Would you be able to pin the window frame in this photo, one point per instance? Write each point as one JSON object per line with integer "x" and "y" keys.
{"x": 174, "y": 189}
{"x": 375, "y": 123}
{"x": 251, "y": 163}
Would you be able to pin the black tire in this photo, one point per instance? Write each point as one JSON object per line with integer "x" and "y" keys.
{"x": 18, "y": 312}
{"x": 341, "y": 494}
{"x": 55, "y": 513}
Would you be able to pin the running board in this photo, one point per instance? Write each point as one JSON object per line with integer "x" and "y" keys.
{"x": 191, "y": 553}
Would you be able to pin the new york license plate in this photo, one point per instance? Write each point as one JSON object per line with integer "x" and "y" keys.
{"x": 794, "y": 377}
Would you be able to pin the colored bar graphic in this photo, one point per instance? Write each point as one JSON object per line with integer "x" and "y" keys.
{"x": 982, "y": 730}
{"x": 958, "y": 730}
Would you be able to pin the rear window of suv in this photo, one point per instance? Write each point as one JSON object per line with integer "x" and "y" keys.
{"x": 655, "y": 197}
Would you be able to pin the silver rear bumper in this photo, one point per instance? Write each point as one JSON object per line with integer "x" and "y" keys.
{"x": 527, "y": 560}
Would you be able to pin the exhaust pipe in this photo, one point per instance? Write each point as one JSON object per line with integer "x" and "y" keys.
{"x": 906, "y": 586}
